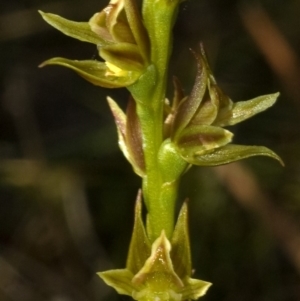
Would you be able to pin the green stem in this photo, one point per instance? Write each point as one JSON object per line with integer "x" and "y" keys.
{"x": 150, "y": 94}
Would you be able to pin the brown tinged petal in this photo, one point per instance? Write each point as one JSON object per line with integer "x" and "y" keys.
{"x": 126, "y": 138}
{"x": 201, "y": 139}
{"x": 97, "y": 24}
{"x": 138, "y": 29}
{"x": 188, "y": 108}
{"x": 120, "y": 120}
{"x": 134, "y": 137}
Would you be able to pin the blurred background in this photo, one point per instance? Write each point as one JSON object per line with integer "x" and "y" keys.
{"x": 67, "y": 194}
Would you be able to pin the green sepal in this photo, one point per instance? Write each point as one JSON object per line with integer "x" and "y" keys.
{"x": 202, "y": 138}
{"x": 124, "y": 55}
{"x": 181, "y": 253}
{"x": 140, "y": 246}
{"x": 243, "y": 110}
{"x": 78, "y": 30}
{"x": 194, "y": 289}
{"x": 229, "y": 153}
{"x": 120, "y": 280}
{"x": 95, "y": 72}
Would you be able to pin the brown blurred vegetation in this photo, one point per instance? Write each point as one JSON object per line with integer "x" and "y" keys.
{"x": 67, "y": 194}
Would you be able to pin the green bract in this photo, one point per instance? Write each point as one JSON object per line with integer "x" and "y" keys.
{"x": 122, "y": 41}
{"x": 161, "y": 271}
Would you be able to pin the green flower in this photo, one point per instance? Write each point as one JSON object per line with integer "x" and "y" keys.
{"x": 161, "y": 271}
{"x": 194, "y": 123}
{"x": 122, "y": 41}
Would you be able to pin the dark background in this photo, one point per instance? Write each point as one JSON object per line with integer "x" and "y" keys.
{"x": 67, "y": 194}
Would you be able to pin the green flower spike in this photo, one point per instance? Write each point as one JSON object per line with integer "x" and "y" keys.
{"x": 195, "y": 123}
{"x": 122, "y": 41}
{"x": 160, "y": 272}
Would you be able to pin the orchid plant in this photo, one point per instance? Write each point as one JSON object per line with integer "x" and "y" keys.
{"x": 160, "y": 138}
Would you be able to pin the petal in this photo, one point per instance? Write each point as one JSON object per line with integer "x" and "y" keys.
{"x": 181, "y": 253}
{"x": 188, "y": 108}
{"x": 77, "y": 30}
{"x": 120, "y": 120}
{"x": 158, "y": 270}
{"x": 124, "y": 55}
{"x": 207, "y": 112}
{"x": 117, "y": 23}
{"x": 97, "y": 24}
{"x": 137, "y": 27}
{"x": 202, "y": 138}
{"x": 225, "y": 103}
{"x": 194, "y": 289}
{"x": 140, "y": 247}
{"x": 178, "y": 93}
{"x": 120, "y": 280}
{"x": 134, "y": 138}
{"x": 230, "y": 153}
{"x": 245, "y": 109}
{"x": 95, "y": 72}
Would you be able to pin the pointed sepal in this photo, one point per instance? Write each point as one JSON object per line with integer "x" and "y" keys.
{"x": 140, "y": 247}
{"x": 230, "y": 153}
{"x": 98, "y": 73}
{"x": 120, "y": 280}
{"x": 181, "y": 253}
{"x": 77, "y": 30}
{"x": 243, "y": 110}
{"x": 194, "y": 289}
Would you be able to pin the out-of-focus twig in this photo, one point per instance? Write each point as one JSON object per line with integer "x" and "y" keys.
{"x": 240, "y": 181}
{"x": 276, "y": 49}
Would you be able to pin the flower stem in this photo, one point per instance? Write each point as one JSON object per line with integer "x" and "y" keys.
{"x": 159, "y": 197}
